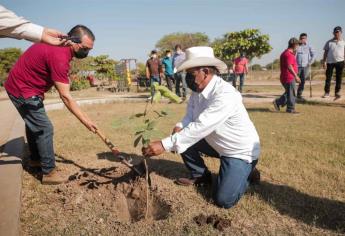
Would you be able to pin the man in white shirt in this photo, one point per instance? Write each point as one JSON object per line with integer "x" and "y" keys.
{"x": 333, "y": 57}
{"x": 216, "y": 124}
{"x": 16, "y": 27}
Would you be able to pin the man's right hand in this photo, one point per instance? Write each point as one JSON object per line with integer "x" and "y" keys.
{"x": 324, "y": 65}
{"x": 298, "y": 79}
{"x": 90, "y": 125}
{"x": 176, "y": 129}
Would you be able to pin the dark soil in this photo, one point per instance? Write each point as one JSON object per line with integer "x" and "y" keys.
{"x": 217, "y": 222}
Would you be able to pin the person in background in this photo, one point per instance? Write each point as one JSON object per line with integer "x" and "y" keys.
{"x": 288, "y": 77}
{"x": 333, "y": 57}
{"x": 168, "y": 71}
{"x": 39, "y": 68}
{"x": 305, "y": 56}
{"x": 13, "y": 26}
{"x": 153, "y": 69}
{"x": 240, "y": 67}
{"x": 178, "y": 58}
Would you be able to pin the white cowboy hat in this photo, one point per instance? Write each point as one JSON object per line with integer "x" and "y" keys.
{"x": 201, "y": 56}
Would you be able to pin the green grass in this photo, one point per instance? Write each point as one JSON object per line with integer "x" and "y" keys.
{"x": 302, "y": 167}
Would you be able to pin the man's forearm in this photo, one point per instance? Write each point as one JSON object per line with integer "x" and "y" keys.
{"x": 324, "y": 57}
{"x": 292, "y": 71}
{"x": 73, "y": 107}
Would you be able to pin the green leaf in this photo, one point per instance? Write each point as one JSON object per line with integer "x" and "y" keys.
{"x": 137, "y": 140}
{"x": 164, "y": 113}
{"x": 151, "y": 125}
{"x": 145, "y": 142}
{"x": 139, "y": 132}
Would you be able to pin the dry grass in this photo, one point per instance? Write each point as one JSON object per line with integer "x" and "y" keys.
{"x": 302, "y": 166}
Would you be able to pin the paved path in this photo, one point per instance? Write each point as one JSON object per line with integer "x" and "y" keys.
{"x": 12, "y": 148}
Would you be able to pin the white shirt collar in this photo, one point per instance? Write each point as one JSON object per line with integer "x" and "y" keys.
{"x": 207, "y": 90}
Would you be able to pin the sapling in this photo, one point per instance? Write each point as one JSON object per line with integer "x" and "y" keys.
{"x": 151, "y": 116}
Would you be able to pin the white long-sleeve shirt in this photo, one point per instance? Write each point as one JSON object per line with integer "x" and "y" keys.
{"x": 218, "y": 115}
{"x": 17, "y": 27}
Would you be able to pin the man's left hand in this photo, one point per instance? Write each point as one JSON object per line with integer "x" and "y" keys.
{"x": 53, "y": 37}
{"x": 154, "y": 149}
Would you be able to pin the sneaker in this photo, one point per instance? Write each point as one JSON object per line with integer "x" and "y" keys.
{"x": 276, "y": 106}
{"x": 293, "y": 112}
{"x": 206, "y": 179}
{"x": 337, "y": 96}
{"x": 54, "y": 177}
{"x": 326, "y": 95}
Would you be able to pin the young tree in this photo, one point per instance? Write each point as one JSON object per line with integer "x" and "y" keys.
{"x": 249, "y": 41}
{"x": 186, "y": 40}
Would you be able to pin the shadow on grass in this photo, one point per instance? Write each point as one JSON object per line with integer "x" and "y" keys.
{"x": 320, "y": 103}
{"x": 319, "y": 212}
{"x": 258, "y": 109}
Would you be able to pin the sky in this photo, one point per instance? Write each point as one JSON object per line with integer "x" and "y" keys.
{"x": 130, "y": 29}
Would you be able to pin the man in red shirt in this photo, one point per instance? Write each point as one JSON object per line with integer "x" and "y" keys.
{"x": 240, "y": 67}
{"x": 36, "y": 71}
{"x": 288, "y": 77}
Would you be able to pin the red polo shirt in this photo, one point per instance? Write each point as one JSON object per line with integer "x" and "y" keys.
{"x": 287, "y": 58}
{"x": 37, "y": 69}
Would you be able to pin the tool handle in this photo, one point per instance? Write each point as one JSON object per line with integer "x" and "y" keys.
{"x": 110, "y": 145}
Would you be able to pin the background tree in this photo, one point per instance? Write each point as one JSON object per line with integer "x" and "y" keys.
{"x": 256, "y": 67}
{"x": 249, "y": 41}
{"x": 275, "y": 64}
{"x": 186, "y": 40}
{"x": 8, "y": 57}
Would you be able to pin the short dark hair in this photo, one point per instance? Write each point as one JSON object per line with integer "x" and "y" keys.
{"x": 292, "y": 42}
{"x": 167, "y": 51}
{"x": 178, "y": 46}
{"x": 303, "y": 35}
{"x": 80, "y": 31}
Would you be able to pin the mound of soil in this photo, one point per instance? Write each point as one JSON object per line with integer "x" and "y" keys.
{"x": 128, "y": 198}
{"x": 217, "y": 222}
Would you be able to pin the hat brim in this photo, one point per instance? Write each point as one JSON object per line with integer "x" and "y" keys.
{"x": 203, "y": 61}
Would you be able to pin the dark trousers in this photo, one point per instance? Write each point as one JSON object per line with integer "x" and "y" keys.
{"x": 39, "y": 130}
{"x": 339, "y": 66}
{"x": 303, "y": 73}
{"x": 242, "y": 77}
{"x": 180, "y": 78}
{"x": 289, "y": 97}
{"x": 232, "y": 181}
{"x": 170, "y": 81}
{"x": 154, "y": 79}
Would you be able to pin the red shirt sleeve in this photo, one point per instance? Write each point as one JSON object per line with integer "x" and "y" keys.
{"x": 59, "y": 67}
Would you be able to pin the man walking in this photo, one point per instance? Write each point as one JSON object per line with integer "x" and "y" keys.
{"x": 216, "y": 124}
{"x": 305, "y": 57}
{"x": 36, "y": 71}
{"x": 333, "y": 57}
{"x": 167, "y": 66}
{"x": 288, "y": 77}
{"x": 178, "y": 58}
{"x": 240, "y": 67}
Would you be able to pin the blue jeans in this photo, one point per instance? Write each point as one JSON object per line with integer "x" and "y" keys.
{"x": 289, "y": 97}
{"x": 180, "y": 77}
{"x": 152, "y": 80}
{"x": 39, "y": 130}
{"x": 303, "y": 73}
{"x": 232, "y": 181}
{"x": 242, "y": 77}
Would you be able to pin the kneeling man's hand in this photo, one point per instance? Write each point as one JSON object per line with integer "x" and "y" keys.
{"x": 176, "y": 129}
{"x": 154, "y": 149}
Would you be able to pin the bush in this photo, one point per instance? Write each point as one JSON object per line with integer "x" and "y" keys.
{"x": 79, "y": 83}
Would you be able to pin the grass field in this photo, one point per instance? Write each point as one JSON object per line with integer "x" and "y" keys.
{"x": 302, "y": 167}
